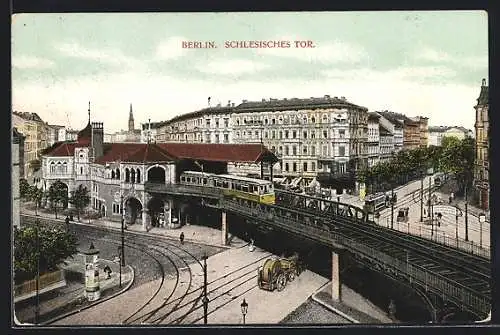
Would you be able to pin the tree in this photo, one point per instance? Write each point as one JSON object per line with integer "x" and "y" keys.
{"x": 54, "y": 247}
{"x": 36, "y": 195}
{"x": 80, "y": 199}
{"x": 58, "y": 195}
{"x": 24, "y": 188}
{"x": 457, "y": 157}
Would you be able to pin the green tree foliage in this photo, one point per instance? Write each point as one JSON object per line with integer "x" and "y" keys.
{"x": 24, "y": 188}
{"x": 58, "y": 195}
{"x": 80, "y": 199}
{"x": 458, "y": 157}
{"x": 36, "y": 195}
{"x": 453, "y": 156}
{"x": 54, "y": 247}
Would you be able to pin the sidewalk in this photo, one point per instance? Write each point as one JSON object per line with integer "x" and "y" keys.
{"x": 352, "y": 306}
{"x": 192, "y": 233}
{"x": 71, "y": 298}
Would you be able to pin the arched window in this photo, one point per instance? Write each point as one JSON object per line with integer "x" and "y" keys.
{"x": 81, "y": 170}
{"x": 117, "y": 173}
{"x": 65, "y": 167}
{"x": 132, "y": 175}
{"x": 52, "y": 167}
{"x": 112, "y": 174}
{"x": 138, "y": 176}
{"x": 59, "y": 167}
{"x": 127, "y": 175}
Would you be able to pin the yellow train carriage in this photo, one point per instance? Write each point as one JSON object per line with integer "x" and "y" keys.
{"x": 265, "y": 198}
{"x": 233, "y": 186}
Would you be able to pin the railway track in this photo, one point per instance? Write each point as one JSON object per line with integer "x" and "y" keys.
{"x": 175, "y": 304}
{"x": 473, "y": 271}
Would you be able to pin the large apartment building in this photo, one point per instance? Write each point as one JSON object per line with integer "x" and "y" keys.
{"x": 373, "y": 142}
{"x": 327, "y": 134}
{"x": 36, "y": 133}
{"x": 409, "y": 132}
{"x": 481, "y": 175}
{"x": 437, "y": 133}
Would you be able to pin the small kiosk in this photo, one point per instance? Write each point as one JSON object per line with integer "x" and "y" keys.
{"x": 92, "y": 289}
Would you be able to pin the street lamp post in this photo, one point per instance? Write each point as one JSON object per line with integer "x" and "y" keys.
{"x": 244, "y": 310}
{"x": 205, "y": 298}
{"x": 482, "y": 219}
{"x": 122, "y": 255}
{"x": 120, "y": 264}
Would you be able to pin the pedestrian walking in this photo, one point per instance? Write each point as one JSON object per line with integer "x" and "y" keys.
{"x": 108, "y": 271}
{"x": 67, "y": 222}
{"x": 181, "y": 237}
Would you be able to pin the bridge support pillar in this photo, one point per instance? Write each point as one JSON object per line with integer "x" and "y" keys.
{"x": 224, "y": 229}
{"x": 336, "y": 283}
{"x": 145, "y": 219}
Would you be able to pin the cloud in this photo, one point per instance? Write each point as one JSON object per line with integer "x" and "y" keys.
{"x": 399, "y": 73}
{"x": 29, "y": 62}
{"x": 104, "y": 55}
{"x": 432, "y": 55}
{"x": 170, "y": 48}
{"x": 436, "y": 56}
{"x": 232, "y": 66}
{"x": 329, "y": 52}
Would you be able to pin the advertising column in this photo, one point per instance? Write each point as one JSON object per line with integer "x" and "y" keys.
{"x": 92, "y": 289}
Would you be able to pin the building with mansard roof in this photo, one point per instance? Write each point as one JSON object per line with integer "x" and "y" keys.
{"x": 311, "y": 136}
{"x": 116, "y": 173}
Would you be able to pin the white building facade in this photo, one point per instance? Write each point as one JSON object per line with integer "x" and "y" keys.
{"x": 373, "y": 143}
{"x": 327, "y": 134}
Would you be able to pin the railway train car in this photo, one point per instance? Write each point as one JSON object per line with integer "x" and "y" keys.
{"x": 375, "y": 202}
{"x": 232, "y": 186}
{"x": 439, "y": 179}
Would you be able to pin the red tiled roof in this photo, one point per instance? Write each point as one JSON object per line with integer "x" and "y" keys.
{"x": 113, "y": 152}
{"x": 149, "y": 153}
{"x": 162, "y": 152}
{"x": 218, "y": 152}
{"x": 85, "y": 134}
{"x": 63, "y": 149}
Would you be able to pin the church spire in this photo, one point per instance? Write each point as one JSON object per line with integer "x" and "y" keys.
{"x": 89, "y": 112}
{"x": 131, "y": 120}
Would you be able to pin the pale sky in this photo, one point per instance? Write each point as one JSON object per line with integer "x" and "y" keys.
{"x": 416, "y": 63}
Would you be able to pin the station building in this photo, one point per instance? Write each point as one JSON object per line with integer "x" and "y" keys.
{"x": 116, "y": 174}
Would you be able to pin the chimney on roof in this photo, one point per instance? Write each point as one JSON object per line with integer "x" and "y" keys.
{"x": 483, "y": 82}
{"x": 218, "y": 105}
{"x": 97, "y": 139}
{"x": 327, "y": 96}
{"x": 263, "y": 100}
{"x": 342, "y": 98}
{"x": 245, "y": 101}
{"x": 336, "y": 97}
{"x": 232, "y": 105}
{"x": 229, "y": 103}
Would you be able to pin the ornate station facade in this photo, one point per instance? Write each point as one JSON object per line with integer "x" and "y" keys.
{"x": 117, "y": 174}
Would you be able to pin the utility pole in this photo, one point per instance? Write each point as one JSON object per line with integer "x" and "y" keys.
{"x": 430, "y": 209}
{"x": 205, "y": 298}
{"x": 37, "y": 307}
{"x": 422, "y": 198}
{"x": 392, "y": 206}
{"x": 466, "y": 216}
